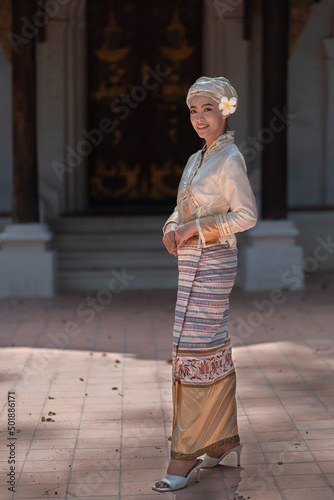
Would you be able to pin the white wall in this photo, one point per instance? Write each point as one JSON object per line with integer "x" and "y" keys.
{"x": 309, "y": 172}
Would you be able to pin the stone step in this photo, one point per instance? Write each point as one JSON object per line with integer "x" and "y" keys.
{"x": 115, "y": 241}
{"x": 106, "y": 260}
{"x": 116, "y": 224}
{"x": 96, "y": 280}
{"x": 90, "y": 248}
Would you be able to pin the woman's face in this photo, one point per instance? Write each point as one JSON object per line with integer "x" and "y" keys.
{"x": 206, "y": 118}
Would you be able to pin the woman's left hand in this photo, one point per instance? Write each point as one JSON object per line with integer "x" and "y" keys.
{"x": 184, "y": 232}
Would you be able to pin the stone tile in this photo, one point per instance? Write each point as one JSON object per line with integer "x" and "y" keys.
{"x": 290, "y": 457}
{"x": 249, "y": 459}
{"x": 152, "y": 495}
{"x": 144, "y": 463}
{"x": 278, "y": 436}
{"x": 287, "y": 469}
{"x": 42, "y": 444}
{"x": 257, "y": 495}
{"x": 323, "y": 455}
{"x": 46, "y": 477}
{"x": 309, "y": 425}
{"x": 184, "y": 495}
{"x": 301, "y": 481}
{"x": 320, "y": 444}
{"x": 98, "y": 442}
{"x": 253, "y": 483}
{"x": 327, "y": 467}
{"x": 147, "y": 451}
{"x": 31, "y": 466}
{"x": 330, "y": 478}
{"x": 32, "y": 491}
{"x": 282, "y": 416}
{"x": 87, "y": 489}
{"x": 246, "y": 470}
{"x": 308, "y": 494}
{"x": 312, "y": 416}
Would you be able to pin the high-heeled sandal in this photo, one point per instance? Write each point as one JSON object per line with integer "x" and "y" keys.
{"x": 179, "y": 482}
{"x": 209, "y": 462}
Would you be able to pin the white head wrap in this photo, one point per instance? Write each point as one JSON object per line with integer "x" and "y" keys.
{"x": 216, "y": 88}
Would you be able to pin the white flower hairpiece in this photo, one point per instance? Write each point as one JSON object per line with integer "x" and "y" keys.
{"x": 227, "y": 106}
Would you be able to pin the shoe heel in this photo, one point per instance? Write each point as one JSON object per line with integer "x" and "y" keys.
{"x": 238, "y": 452}
{"x": 198, "y": 475}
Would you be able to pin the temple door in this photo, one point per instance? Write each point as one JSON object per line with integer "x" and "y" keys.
{"x": 142, "y": 57}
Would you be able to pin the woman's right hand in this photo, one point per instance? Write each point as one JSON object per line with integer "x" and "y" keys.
{"x": 169, "y": 238}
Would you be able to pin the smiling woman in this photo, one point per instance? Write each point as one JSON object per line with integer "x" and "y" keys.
{"x": 206, "y": 118}
{"x": 214, "y": 201}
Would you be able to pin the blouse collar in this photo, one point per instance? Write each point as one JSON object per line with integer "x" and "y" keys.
{"x": 221, "y": 141}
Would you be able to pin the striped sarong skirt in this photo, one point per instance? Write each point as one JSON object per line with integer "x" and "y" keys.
{"x": 204, "y": 382}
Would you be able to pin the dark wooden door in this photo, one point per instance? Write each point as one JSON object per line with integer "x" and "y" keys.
{"x": 142, "y": 57}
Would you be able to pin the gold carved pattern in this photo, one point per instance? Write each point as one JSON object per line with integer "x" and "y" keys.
{"x": 174, "y": 89}
{"x": 106, "y": 176}
{"x": 178, "y": 50}
{"x": 129, "y": 180}
{"x": 113, "y": 55}
{"x": 159, "y": 173}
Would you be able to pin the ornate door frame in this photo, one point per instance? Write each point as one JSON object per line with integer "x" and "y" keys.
{"x": 62, "y": 78}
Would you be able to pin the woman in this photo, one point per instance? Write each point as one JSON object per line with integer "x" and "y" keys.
{"x": 215, "y": 201}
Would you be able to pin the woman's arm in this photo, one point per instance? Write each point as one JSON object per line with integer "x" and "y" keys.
{"x": 169, "y": 233}
{"x": 236, "y": 189}
{"x": 171, "y": 219}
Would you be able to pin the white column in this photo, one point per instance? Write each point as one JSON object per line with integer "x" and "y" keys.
{"x": 62, "y": 108}
{"x": 28, "y": 267}
{"x": 328, "y": 44}
{"x": 271, "y": 258}
{"x": 226, "y": 53}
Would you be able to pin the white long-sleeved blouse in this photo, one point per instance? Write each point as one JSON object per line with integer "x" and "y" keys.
{"x": 215, "y": 191}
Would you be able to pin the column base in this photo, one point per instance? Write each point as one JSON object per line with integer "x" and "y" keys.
{"x": 27, "y": 267}
{"x": 271, "y": 258}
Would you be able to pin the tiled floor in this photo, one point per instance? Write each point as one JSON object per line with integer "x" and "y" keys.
{"x": 98, "y": 367}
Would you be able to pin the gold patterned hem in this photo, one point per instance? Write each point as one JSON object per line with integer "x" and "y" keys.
{"x": 207, "y": 385}
{"x": 214, "y": 446}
